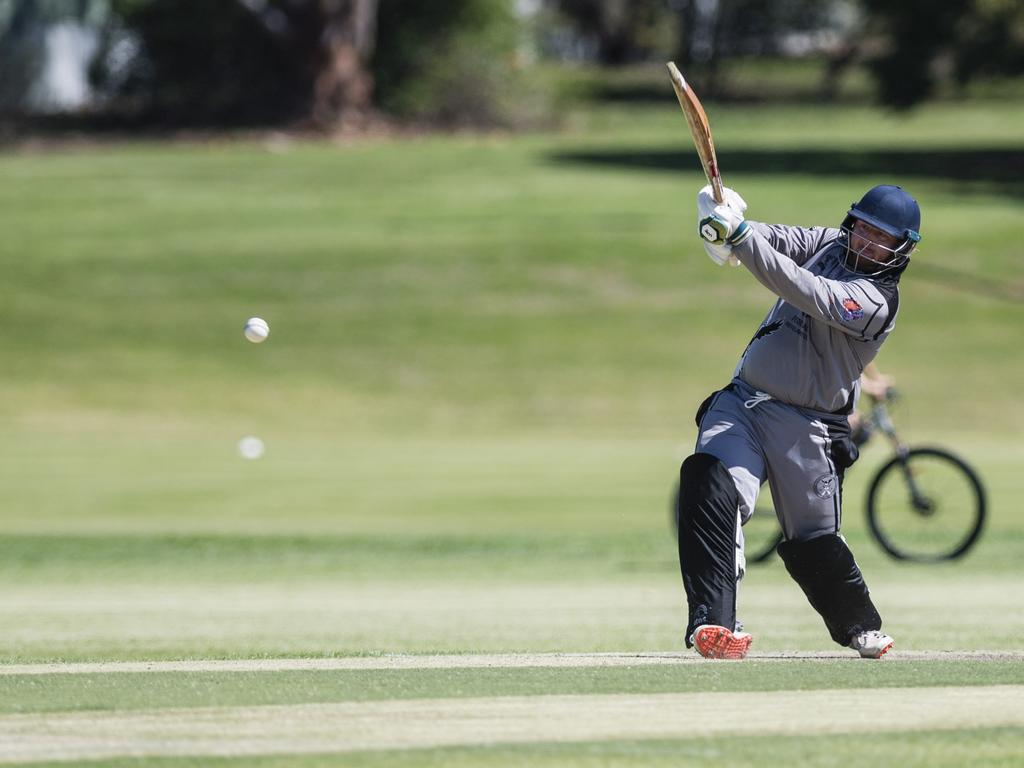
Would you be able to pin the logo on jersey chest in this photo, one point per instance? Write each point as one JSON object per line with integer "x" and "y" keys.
{"x": 825, "y": 486}
{"x": 766, "y": 330}
{"x": 800, "y": 325}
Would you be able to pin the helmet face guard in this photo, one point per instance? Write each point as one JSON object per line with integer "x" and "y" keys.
{"x": 889, "y": 210}
{"x": 857, "y": 258}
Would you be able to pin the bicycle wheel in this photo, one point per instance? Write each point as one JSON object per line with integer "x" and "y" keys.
{"x": 761, "y": 533}
{"x": 926, "y": 507}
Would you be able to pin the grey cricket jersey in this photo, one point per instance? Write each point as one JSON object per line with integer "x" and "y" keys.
{"x": 828, "y": 323}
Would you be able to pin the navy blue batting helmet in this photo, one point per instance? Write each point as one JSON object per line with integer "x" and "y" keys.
{"x": 890, "y": 209}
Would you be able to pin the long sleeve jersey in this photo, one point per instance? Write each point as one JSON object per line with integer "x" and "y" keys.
{"x": 828, "y": 323}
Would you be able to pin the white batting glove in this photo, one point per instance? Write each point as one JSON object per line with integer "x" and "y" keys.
{"x": 706, "y": 202}
{"x": 721, "y": 254}
{"x": 726, "y": 225}
{"x": 721, "y": 223}
{"x": 718, "y": 253}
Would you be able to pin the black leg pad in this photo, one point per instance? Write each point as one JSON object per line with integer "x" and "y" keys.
{"x": 708, "y": 503}
{"x": 827, "y": 573}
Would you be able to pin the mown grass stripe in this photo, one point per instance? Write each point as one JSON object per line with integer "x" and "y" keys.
{"x": 426, "y": 723}
{"x": 161, "y": 690}
{"x": 140, "y": 691}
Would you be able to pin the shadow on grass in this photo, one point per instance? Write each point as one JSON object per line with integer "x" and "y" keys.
{"x": 653, "y": 94}
{"x": 1001, "y": 167}
{"x": 989, "y": 171}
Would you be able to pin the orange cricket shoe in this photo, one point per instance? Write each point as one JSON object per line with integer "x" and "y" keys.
{"x": 714, "y": 642}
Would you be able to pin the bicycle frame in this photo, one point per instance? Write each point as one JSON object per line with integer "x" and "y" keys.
{"x": 879, "y": 417}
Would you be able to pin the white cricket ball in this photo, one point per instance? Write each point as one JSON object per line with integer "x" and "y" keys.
{"x": 250, "y": 447}
{"x": 256, "y": 330}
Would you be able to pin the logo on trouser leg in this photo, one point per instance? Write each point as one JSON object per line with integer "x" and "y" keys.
{"x": 825, "y": 486}
{"x": 698, "y": 616}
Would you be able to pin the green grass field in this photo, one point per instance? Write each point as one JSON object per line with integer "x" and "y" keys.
{"x": 484, "y": 359}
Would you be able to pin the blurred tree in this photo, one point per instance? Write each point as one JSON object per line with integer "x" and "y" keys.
{"x": 25, "y": 45}
{"x": 342, "y": 81}
{"x": 712, "y": 30}
{"x": 623, "y": 30}
{"x": 450, "y": 61}
{"x": 20, "y": 51}
{"x": 251, "y": 61}
{"x": 991, "y": 40}
{"x": 271, "y": 61}
{"x": 922, "y": 42}
{"x": 910, "y": 34}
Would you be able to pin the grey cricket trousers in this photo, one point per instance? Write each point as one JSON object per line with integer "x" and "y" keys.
{"x": 801, "y": 453}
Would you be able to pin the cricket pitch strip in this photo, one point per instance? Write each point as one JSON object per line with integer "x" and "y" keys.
{"x": 479, "y": 661}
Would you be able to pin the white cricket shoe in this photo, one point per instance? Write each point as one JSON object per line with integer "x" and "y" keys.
{"x": 715, "y": 642}
{"x": 871, "y": 644}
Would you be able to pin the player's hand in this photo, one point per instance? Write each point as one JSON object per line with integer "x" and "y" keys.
{"x": 878, "y": 386}
{"x": 706, "y": 201}
{"x": 720, "y": 254}
{"x": 721, "y": 223}
{"x": 725, "y": 226}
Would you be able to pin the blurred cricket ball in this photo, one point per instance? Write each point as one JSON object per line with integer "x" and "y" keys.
{"x": 256, "y": 330}
{"x": 250, "y": 447}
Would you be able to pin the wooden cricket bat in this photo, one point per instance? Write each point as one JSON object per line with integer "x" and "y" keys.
{"x": 700, "y": 129}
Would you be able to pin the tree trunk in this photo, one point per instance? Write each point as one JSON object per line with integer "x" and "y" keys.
{"x": 698, "y": 34}
{"x": 343, "y": 86}
{"x": 686, "y": 15}
{"x": 613, "y": 32}
{"x": 839, "y": 63}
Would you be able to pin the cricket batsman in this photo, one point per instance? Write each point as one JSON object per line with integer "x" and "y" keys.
{"x": 783, "y": 417}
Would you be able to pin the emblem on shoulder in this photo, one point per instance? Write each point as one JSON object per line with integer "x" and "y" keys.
{"x": 851, "y": 310}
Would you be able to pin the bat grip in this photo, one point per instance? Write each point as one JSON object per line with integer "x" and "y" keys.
{"x": 717, "y": 190}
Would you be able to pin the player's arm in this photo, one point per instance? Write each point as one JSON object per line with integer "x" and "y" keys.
{"x": 859, "y": 308}
{"x": 874, "y": 383}
{"x": 798, "y": 243}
